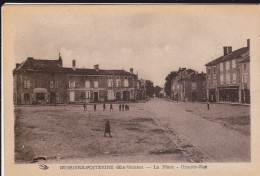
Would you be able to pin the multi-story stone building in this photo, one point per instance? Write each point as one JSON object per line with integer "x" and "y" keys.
{"x": 47, "y": 81}
{"x": 224, "y": 76}
{"x": 245, "y": 79}
{"x": 188, "y": 85}
{"x": 42, "y": 81}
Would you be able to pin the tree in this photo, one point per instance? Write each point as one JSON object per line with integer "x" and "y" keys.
{"x": 149, "y": 88}
{"x": 157, "y": 90}
{"x": 168, "y": 79}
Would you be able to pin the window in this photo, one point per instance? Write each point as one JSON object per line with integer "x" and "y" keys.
{"x": 126, "y": 83}
{"x": 209, "y": 71}
{"x": 244, "y": 66}
{"x": 95, "y": 84}
{"x": 26, "y": 97}
{"x": 117, "y": 82}
{"x": 110, "y": 82}
{"x": 245, "y": 78}
{"x": 56, "y": 84}
{"x": 214, "y": 70}
{"x": 233, "y": 63}
{"x": 51, "y": 84}
{"x": 137, "y": 85}
{"x": 227, "y": 65}
{"x": 57, "y": 97}
{"x": 234, "y": 77}
{"x": 27, "y": 84}
{"x": 87, "y": 94}
{"x": 221, "y": 66}
{"x": 193, "y": 85}
{"x": 221, "y": 79}
{"x": 227, "y": 79}
{"x": 72, "y": 84}
{"x": 87, "y": 84}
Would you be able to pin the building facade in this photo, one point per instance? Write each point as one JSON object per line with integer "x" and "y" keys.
{"x": 188, "y": 85}
{"x": 47, "y": 81}
{"x": 225, "y": 76}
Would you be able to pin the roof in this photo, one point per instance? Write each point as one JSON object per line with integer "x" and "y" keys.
{"x": 84, "y": 71}
{"x": 32, "y": 64}
{"x": 39, "y": 65}
{"x": 247, "y": 59}
{"x": 235, "y": 54}
{"x": 195, "y": 76}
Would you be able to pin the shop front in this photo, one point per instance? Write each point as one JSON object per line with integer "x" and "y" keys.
{"x": 40, "y": 96}
{"x": 229, "y": 94}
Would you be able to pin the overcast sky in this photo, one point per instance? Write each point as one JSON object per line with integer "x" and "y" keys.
{"x": 153, "y": 42}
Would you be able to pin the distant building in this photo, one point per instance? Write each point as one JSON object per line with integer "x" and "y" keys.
{"x": 162, "y": 93}
{"x": 228, "y": 76}
{"x": 188, "y": 85}
{"x": 47, "y": 81}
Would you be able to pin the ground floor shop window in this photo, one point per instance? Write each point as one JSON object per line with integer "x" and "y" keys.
{"x": 229, "y": 95}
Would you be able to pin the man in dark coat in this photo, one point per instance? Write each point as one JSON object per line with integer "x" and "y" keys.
{"x": 111, "y": 107}
{"x": 208, "y": 104}
{"x": 95, "y": 107}
{"x": 85, "y": 106}
{"x": 119, "y": 107}
{"x": 107, "y": 129}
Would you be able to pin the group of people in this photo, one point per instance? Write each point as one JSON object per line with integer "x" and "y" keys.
{"x": 122, "y": 107}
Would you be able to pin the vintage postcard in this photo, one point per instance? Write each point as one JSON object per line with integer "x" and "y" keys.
{"x": 131, "y": 89}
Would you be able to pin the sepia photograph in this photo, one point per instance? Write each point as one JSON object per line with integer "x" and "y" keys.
{"x": 129, "y": 84}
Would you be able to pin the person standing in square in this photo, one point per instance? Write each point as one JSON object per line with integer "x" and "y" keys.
{"x": 111, "y": 107}
{"x": 107, "y": 129}
{"x": 85, "y": 106}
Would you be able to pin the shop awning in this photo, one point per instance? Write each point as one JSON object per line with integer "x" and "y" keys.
{"x": 40, "y": 90}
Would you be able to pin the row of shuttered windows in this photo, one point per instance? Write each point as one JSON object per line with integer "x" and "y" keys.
{"x": 72, "y": 84}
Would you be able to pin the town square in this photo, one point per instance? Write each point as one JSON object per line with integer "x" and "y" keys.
{"x": 175, "y": 132}
{"x": 138, "y": 85}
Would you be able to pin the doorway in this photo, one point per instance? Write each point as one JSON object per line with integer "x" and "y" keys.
{"x": 118, "y": 96}
{"x": 52, "y": 97}
{"x": 95, "y": 96}
{"x": 126, "y": 95}
{"x": 72, "y": 96}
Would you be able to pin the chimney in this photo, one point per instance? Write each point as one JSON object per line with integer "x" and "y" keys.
{"x": 96, "y": 67}
{"x": 248, "y": 43}
{"x": 229, "y": 49}
{"x": 30, "y": 58}
{"x": 74, "y": 64}
{"x": 131, "y": 70}
{"x": 60, "y": 60}
{"x": 225, "y": 50}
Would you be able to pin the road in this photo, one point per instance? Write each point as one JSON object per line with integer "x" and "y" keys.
{"x": 220, "y": 143}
